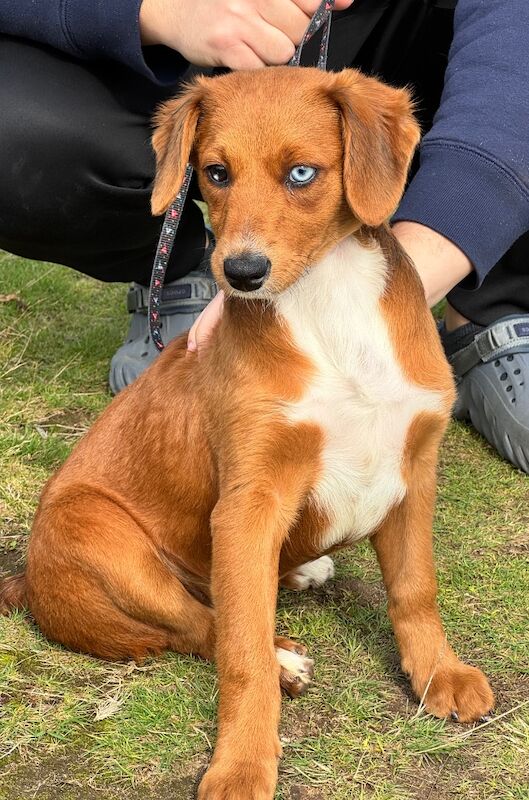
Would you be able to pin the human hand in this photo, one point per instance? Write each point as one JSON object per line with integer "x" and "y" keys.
{"x": 239, "y": 34}
{"x": 204, "y": 324}
{"x": 440, "y": 263}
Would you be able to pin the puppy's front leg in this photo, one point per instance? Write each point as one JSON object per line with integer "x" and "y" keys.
{"x": 248, "y": 529}
{"x": 405, "y": 553}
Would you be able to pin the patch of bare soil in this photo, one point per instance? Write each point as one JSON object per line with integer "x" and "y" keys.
{"x": 441, "y": 778}
{"x": 69, "y": 424}
{"x": 13, "y": 539}
{"x": 303, "y": 721}
{"x": 458, "y": 777}
{"x": 516, "y": 546}
{"x": 305, "y": 793}
{"x": 510, "y": 691}
{"x": 11, "y": 562}
{"x": 60, "y": 778}
{"x": 66, "y": 416}
{"x": 519, "y": 545}
{"x": 15, "y": 299}
{"x": 365, "y": 595}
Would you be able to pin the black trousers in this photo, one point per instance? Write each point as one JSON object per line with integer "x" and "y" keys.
{"x": 76, "y": 166}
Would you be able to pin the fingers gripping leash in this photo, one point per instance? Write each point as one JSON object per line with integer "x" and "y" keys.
{"x": 320, "y": 20}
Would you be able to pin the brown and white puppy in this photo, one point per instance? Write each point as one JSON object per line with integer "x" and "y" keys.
{"x": 311, "y": 420}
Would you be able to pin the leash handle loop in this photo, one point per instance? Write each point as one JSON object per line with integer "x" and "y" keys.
{"x": 321, "y": 19}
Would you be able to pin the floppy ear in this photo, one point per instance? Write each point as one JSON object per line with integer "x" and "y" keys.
{"x": 176, "y": 123}
{"x": 380, "y": 135}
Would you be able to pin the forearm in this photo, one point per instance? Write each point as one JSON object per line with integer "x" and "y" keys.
{"x": 440, "y": 263}
{"x": 472, "y": 185}
{"x": 91, "y": 31}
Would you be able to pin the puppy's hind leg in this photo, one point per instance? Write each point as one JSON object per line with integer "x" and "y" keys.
{"x": 310, "y": 575}
{"x": 297, "y": 669}
{"x": 97, "y": 584}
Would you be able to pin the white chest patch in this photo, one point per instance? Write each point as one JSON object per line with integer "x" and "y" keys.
{"x": 359, "y": 396}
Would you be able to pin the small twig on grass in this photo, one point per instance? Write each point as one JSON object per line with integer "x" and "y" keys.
{"x": 460, "y": 737}
{"x": 18, "y": 363}
{"x": 434, "y": 785}
{"x": 40, "y": 277}
{"x": 65, "y": 366}
{"x": 360, "y": 760}
{"x": 13, "y": 298}
{"x": 111, "y": 704}
{"x": 11, "y": 750}
{"x": 204, "y": 735}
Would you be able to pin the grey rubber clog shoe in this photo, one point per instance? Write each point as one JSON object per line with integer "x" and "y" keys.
{"x": 492, "y": 374}
{"x": 182, "y": 302}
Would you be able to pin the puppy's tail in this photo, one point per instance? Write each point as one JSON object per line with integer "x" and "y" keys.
{"x": 13, "y": 594}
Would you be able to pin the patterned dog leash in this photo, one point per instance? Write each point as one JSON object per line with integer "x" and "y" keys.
{"x": 320, "y": 20}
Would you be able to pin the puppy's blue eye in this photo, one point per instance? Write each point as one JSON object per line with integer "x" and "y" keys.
{"x": 218, "y": 174}
{"x": 302, "y": 174}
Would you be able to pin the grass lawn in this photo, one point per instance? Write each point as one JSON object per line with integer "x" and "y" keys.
{"x": 73, "y": 727}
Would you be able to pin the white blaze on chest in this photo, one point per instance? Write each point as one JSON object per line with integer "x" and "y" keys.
{"x": 359, "y": 396}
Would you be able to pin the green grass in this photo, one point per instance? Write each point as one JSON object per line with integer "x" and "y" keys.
{"x": 74, "y": 727}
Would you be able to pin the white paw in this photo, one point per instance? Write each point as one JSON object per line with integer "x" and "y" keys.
{"x": 314, "y": 573}
{"x": 296, "y": 673}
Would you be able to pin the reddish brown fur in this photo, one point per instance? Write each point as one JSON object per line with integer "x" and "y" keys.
{"x": 170, "y": 522}
{"x": 411, "y": 325}
{"x": 13, "y": 594}
{"x": 403, "y": 546}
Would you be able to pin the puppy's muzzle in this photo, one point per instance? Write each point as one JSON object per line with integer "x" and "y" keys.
{"x": 247, "y": 272}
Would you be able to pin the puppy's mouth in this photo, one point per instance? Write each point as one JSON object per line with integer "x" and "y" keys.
{"x": 263, "y": 294}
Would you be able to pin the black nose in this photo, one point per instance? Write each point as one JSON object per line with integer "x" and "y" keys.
{"x": 247, "y": 272}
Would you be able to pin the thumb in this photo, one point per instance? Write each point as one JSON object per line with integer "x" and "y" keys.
{"x": 205, "y": 323}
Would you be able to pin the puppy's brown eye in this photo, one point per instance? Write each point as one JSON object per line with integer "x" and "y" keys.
{"x": 217, "y": 174}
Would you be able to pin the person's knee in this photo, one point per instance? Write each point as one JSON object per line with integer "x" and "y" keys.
{"x": 64, "y": 173}
{"x": 77, "y": 169}
{"x": 74, "y": 161}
